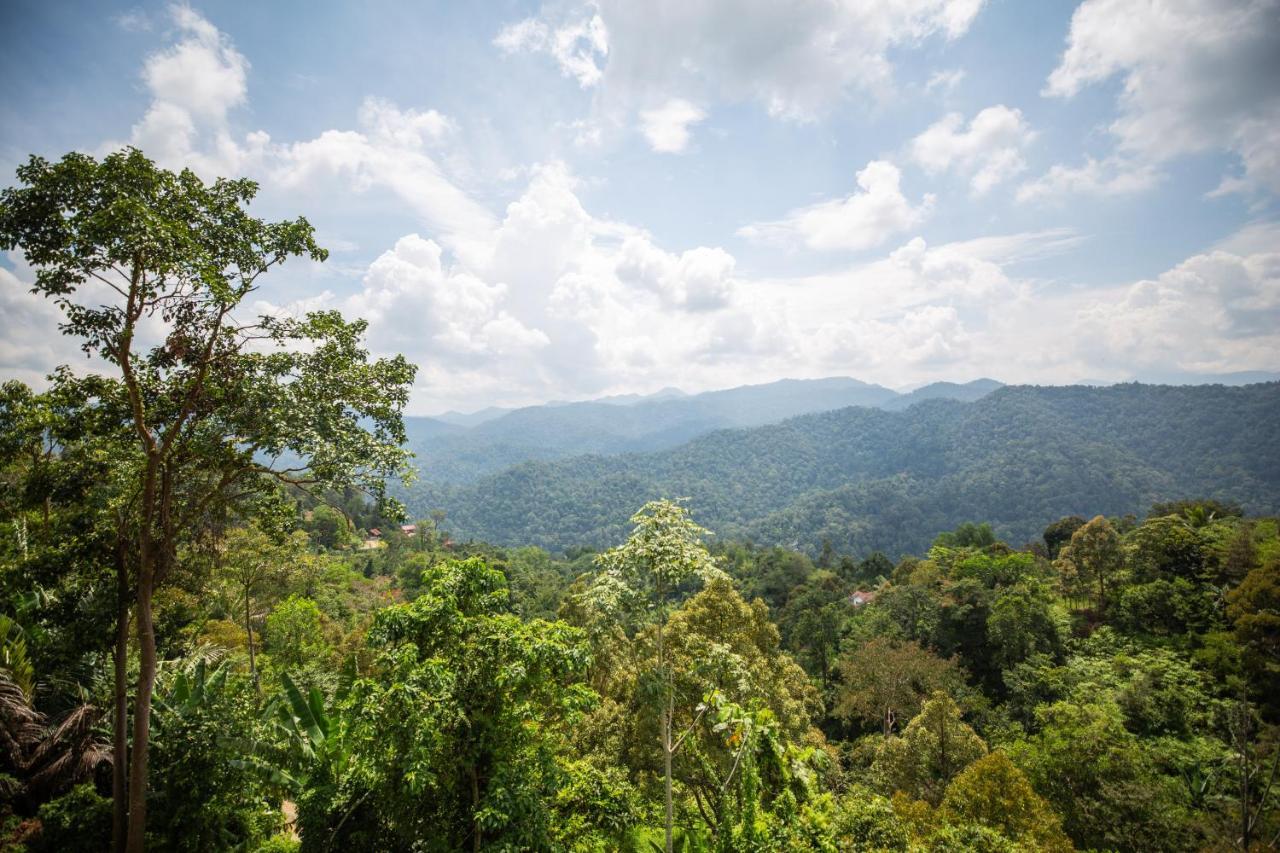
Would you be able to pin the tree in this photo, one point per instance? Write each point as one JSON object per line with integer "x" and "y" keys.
{"x": 993, "y": 792}
{"x": 151, "y": 270}
{"x": 1092, "y": 558}
{"x": 1254, "y": 609}
{"x": 1021, "y": 624}
{"x": 812, "y": 620}
{"x": 330, "y": 528}
{"x": 450, "y": 743}
{"x": 294, "y": 631}
{"x": 733, "y": 678}
{"x": 42, "y": 758}
{"x": 1167, "y": 548}
{"x": 1060, "y": 532}
{"x": 664, "y": 552}
{"x": 933, "y": 748}
{"x": 253, "y": 562}
{"x": 1097, "y": 775}
{"x": 875, "y": 566}
{"x": 886, "y": 680}
{"x": 1199, "y": 512}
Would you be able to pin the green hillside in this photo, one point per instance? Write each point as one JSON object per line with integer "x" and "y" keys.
{"x": 869, "y": 479}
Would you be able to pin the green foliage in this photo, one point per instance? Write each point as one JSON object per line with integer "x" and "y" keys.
{"x": 1023, "y": 623}
{"x": 1101, "y": 778}
{"x": 935, "y": 746}
{"x": 1092, "y": 561}
{"x": 294, "y": 633}
{"x": 664, "y": 551}
{"x": 77, "y": 822}
{"x": 993, "y": 792}
{"x": 329, "y": 528}
{"x": 885, "y": 682}
{"x": 201, "y": 718}
{"x": 1060, "y": 532}
{"x": 1254, "y": 609}
{"x": 456, "y": 735}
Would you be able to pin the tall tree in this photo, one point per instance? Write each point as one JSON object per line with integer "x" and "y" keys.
{"x": 1092, "y": 558}
{"x": 643, "y": 574}
{"x": 886, "y": 681}
{"x": 152, "y": 270}
{"x": 253, "y": 562}
{"x": 932, "y": 749}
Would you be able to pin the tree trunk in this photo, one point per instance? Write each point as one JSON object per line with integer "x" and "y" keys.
{"x": 666, "y": 764}
{"x": 1245, "y": 834}
{"x": 475, "y": 810}
{"x": 142, "y": 713}
{"x": 667, "y": 710}
{"x": 248, "y": 631}
{"x": 120, "y": 718}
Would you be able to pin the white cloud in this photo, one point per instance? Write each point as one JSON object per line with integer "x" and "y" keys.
{"x": 945, "y": 81}
{"x": 202, "y": 74}
{"x": 796, "y": 58}
{"x": 194, "y": 84}
{"x": 698, "y": 279}
{"x": 667, "y": 127}
{"x": 1197, "y": 75}
{"x": 30, "y": 345}
{"x": 1214, "y": 312}
{"x": 414, "y": 303}
{"x": 578, "y": 47}
{"x": 133, "y": 21}
{"x": 396, "y": 150}
{"x": 860, "y": 221}
{"x": 1113, "y": 176}
{"x": 989, "y": 150}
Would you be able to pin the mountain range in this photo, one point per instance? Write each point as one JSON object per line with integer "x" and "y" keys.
{"x": 876, "y": 475}
{"x": 461, "y": 448}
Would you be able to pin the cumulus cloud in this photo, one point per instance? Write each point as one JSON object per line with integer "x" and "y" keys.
{"x": 862, "y": 220}
{"x": 194, "y": 83}
{"x": 796, "y": 58}
{"x": 1216, "y": 311}
{"x": 396, "y": 150}
{"x": 667, "y": 127}
{"x": 698, "y": 279}
{"x": 414, "y": 303}
{"x": 988, "y": 150}
{"x": 538, "y": 296}
{"x": 1196, "y": 75}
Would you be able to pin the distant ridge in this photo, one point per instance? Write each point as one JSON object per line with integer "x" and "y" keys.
{"x": 965, "y": 392}
{"x": 459, "y": 448}
{"x": 865, "y": 478}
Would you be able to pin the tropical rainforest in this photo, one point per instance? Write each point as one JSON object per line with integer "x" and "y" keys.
{"x": 1044, "y": 619}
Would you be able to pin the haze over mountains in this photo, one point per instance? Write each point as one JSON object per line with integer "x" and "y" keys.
{"x": 459, "y": 448}
{"x": 859, "y": 465}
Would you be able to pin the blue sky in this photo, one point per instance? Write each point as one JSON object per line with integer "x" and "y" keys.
{"x": 563, "y": 200}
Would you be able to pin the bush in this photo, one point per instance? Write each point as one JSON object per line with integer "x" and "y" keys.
{"x": 77, "y": 822}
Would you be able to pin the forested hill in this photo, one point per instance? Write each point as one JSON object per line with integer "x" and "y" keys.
{"x": 464, "y": 448}
{"x": 868, "y": 479}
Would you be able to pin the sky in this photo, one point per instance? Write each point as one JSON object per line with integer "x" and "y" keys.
{"x": 574, "y": 199}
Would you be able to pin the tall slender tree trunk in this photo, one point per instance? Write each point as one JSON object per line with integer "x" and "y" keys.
{"x": 475, "y": 810}
{"x": 248, "y": 631}
{"x": 142, "y": 714}
{"x": 120, "y": 717}
{"x": 667, "y": 712}
{"x": 1245, "y": 772}
{"x": 666, "y": 764}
